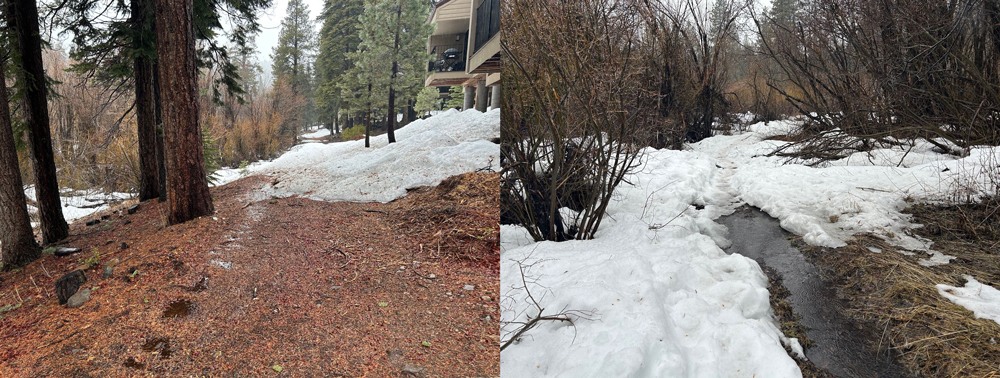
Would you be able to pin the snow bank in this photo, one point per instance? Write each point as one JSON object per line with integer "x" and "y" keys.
{"x": 983, "y": 300}
{"x": 426, "y": 152}
{"x": 830, "y": 203}
{"x": 667, "y": 301}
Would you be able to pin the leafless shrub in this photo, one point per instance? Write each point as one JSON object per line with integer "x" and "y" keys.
{"x": 879, "y": 69}
{"x": 576, "y": 113}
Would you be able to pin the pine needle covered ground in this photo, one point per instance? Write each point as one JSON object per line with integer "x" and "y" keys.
{"x": 271, "y": 287}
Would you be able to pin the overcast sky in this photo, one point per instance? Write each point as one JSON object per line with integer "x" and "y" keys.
{"x": 270, "y": 22}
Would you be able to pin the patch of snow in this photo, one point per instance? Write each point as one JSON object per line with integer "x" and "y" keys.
{"x": 875, "y": 250}
{"x": 427, "y": 151}
{"x": 513, "y": 236}
{"x": 796, "y": 347}
{"x": 982, "y": 300}
{"x": 223, "y": 264}
{"x": 937, "y": 258}
{"x": 77, "y": 204}
{"x": 316, "y": 134}
{"x": 227, "y": 175}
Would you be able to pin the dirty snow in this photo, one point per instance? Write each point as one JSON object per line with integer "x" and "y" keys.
{"x": 426, "y": 152}
{"x": 982, "y": 300}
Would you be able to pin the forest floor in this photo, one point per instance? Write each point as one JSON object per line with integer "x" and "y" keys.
{"x": 270, "y": 287}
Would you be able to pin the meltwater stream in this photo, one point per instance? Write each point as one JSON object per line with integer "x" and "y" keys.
{"x": 839, "y": 348}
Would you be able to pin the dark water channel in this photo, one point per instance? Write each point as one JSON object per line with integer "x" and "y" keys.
{"x": 840, "y": 348}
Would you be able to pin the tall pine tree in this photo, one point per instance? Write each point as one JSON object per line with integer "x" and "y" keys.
{"x": 337, "y": 39}
{"x": 23, "y": 18}
{"x": 17, "y": 242}
{"x": 114, "y": 45}
{"x": 296, "y": 46}
{"x": 187, "y": 184}
{"x": 393, "y": 49}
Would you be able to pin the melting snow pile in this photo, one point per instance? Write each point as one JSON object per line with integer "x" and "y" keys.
{"x": 833, "y": 201}
{"x": 666, "y": 301}
{"x": 426, "y": 152}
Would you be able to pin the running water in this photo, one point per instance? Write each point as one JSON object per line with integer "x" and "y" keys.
{"x": 839, "y": 348}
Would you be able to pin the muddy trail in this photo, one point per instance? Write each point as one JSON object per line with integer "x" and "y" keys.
{"x": 841, "y": 348}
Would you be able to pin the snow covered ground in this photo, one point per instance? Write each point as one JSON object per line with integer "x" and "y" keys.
{"x": 316, "y": 134}
{"x": 426, "y": 152}
{"x": 666, "y": 301}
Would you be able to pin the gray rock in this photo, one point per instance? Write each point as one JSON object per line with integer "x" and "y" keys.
{"x": 133, "y": 209}
{"x": 79, "y": 298}
{"x": 67, "y": 285}
{"x": 413, "y": 371}
{"x": 468, "y": 288}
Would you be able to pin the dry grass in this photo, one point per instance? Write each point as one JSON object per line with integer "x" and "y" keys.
{"x": 897, "y": 298}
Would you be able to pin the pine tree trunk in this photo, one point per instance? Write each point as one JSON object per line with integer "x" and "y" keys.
{"x": 145, "y": 109}
{"x": 17, "y": 242}
{"x": 161, "y": 162}
{"x": 368, "y": 118}
{"x": 187, "y": 185}
{"x": 25, "y": 17}
{"x": 390, "y": 123}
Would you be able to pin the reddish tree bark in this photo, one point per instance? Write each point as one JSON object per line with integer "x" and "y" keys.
{"x": 187, "y": 185}
{"x": 17, "y": 242}
{"x": 25, "y": 22}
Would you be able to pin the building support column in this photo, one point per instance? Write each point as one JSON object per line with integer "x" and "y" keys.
{"x": 496, "y": 96}
{"x": 481, "y": 96}
{"x": 470, "y": 93}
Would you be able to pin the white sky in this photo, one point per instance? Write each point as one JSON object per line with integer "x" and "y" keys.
{"x": 270, "y": 26}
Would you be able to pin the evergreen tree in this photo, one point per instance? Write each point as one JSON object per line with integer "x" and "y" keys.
{"x": 427, "y": 100}
{"x": 393, "y": 49}
{"x": 455, "y": 99}
{"x": 337, "y": 39}
{"x": 296, "y": 45}
{"x": 121, "y": 49}
{"x": 22, "y": 20}
{"x": 17, "y": 242}
{"x": 187, "y": 184}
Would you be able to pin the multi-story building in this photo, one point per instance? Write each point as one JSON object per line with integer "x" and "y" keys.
{"x": 466, "y": 50}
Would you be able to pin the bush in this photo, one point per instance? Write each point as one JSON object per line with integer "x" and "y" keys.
{"x": 353, "y": 133}
{"x": 569, "y": 143}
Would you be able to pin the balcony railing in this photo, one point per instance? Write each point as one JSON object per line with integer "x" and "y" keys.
{"x": 447, "y": 58}
{"x": 487, "y": 22}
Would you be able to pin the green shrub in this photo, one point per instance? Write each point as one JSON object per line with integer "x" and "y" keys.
{"x": 353, "y": 133}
